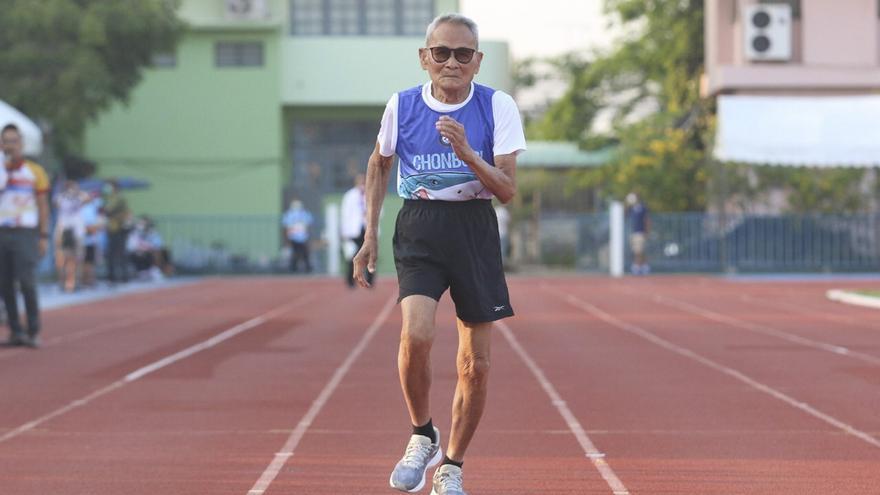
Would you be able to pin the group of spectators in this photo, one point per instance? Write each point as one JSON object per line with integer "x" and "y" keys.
{"x": 98, "y": 225}
{"x": 88, "y": 227}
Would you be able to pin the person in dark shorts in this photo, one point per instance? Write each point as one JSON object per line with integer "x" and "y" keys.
{"x": 457, "y": 144}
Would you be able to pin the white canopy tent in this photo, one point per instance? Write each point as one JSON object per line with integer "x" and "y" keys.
{"x": 31, "y": 133}
{"x": 817, "y": 131}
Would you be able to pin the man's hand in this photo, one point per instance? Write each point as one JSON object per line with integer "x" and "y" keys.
{"x": 365, "y": 259}
{"x": 454, "y": 132}
{"x": 44, "y": 246}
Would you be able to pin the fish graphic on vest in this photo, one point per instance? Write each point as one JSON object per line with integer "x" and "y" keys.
{"x": 445, "y": 186}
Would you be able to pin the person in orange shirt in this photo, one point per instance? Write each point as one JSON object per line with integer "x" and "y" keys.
{"x": 24, "y": 235}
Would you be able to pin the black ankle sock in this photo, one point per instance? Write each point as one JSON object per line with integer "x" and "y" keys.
{"x": 426, "y": 430}
{"x": 447, "y": 460}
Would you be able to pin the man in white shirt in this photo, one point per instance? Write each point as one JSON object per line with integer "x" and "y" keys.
{"x": 353, "y": 226}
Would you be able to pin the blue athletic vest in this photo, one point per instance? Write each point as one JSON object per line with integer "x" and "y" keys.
{"x": 428, "y": 168}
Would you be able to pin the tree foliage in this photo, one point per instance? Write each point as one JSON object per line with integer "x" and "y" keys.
{"x": 648, "y": 88}
{"x": 63, "y": 62}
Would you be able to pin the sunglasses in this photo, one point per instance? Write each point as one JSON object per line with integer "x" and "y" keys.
{"x": 441, "y": 54}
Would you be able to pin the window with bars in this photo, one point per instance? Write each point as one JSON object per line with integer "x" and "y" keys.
{"x": 360, "y": 17}
{"x": 238, "y": 54}
{"x": 166, "y": 60}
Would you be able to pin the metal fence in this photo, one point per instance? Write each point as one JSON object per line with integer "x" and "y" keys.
{"x": 679, "y": 242}
{"x": 223, "y": 243}
{"x": 697, "y": 242}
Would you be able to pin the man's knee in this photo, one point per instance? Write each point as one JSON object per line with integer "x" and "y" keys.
{"x": 473, "y": 367}
{"x": 417, "y": 336}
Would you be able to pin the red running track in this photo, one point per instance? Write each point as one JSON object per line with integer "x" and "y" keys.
{"x": 660, "y": 385}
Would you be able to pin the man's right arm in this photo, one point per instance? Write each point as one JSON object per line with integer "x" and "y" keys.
{"x": 378, "y": 172}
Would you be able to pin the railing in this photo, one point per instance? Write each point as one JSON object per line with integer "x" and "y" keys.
{"x": 223, "y": 243}
{"x": 697, "y": 242}
{"x": 679, "y": 242}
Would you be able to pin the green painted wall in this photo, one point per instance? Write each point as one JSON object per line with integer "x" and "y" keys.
{"x": 209, "y": 139}
{"x": 366, "y": 71}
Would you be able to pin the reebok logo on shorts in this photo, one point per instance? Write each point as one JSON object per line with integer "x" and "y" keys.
{"x": 498, "y": 308}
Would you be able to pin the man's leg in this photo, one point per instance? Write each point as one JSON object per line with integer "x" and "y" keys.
{"x": 7, "y": 286}
{"x": 414, "y": 355}
{"x": 307, "y": 256}
{"x": 414, "y": 362}
{"x": 25, "y": 257}
{"x": 472, "y": 362}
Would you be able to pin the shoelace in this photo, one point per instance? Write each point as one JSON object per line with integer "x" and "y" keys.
{"x": 451, "y": 481}
{"x": 416, "y": 453}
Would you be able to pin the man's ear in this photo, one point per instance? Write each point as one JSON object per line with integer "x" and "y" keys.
{"x": 423, "y": 61}
{"x": 479, "y": 61}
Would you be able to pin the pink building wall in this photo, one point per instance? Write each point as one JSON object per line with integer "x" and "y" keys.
{"x": 836, "y": 50}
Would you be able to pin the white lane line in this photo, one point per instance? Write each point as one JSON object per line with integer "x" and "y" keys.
{"x": 766, "y": 330}
{"x": 682, "y": 351}
{"x": 794, "y": 308}
{"x": 140, "y": 373}
{"x": 849, "y": 297}
{"x": 592, "y": 453}
{"x": 293, "y": 440}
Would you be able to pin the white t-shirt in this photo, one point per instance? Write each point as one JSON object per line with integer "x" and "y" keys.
{"x": 354, "y": 211}
{"x": 508, "y": 134}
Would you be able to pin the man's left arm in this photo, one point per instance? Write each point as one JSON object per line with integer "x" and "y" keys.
{"x": 42, "y": 189}
{"x": 43, "y": 226}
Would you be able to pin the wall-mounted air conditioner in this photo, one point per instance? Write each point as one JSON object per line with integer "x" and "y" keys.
{"x": 246, "y": 9}
{"x": 768, "y": 34}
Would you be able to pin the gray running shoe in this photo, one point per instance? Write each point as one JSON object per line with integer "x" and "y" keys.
{"x": 409, "y": 473}
{"x": 447, "y": 481}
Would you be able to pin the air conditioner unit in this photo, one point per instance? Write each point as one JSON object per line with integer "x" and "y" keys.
{"x": 767, "y": 32}
{"x": 246, "y": 9}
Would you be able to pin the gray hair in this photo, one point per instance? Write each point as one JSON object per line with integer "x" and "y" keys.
{"x": 452, "y": 19}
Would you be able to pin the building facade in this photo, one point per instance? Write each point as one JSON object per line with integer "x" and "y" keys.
{"x": 797, "y": 81}
{"x": 834, "y": 48}
{"x": 264, "y": 101}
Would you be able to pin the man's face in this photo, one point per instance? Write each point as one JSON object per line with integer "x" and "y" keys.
{"x": 12, "y": 145}
{"x": 451, "y": 74}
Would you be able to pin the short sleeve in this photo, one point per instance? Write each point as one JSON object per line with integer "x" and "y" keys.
{"x": 41, "y": 186}
{"x": 509, "y": 135}
{"x": 388, "y": 131}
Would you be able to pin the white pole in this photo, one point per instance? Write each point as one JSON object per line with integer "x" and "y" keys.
{"x": 331, "y": 235}
{"x": 616, "y": 244}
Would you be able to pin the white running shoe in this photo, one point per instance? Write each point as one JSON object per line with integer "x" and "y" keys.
{"x": 409, "y": 473}
{"x": 447, "y": 481}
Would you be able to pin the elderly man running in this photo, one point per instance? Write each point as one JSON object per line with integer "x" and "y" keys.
{"x": 457, "y": 144}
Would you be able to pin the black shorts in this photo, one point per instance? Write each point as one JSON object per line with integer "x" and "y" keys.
{"x": 455, "y": 245}
{"x": 91, "y": 252}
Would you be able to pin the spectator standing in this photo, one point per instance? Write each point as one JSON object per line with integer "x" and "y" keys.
{"x": 24, "y": 235}
{"x": 297, "y": 221}
{"x": 640, "y": 221}
{"x": 118, "y": 217}
{"x": 94, "y": 224}
{"x": 353, "y": 226}
{"x": 70, "y": 233}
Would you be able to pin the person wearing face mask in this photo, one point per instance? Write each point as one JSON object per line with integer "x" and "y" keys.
{"x": 297, "y": 221}
{"x": 70, "y": 233}
{"x": 457, "y": 143}
{"x": 24, "y": 235}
